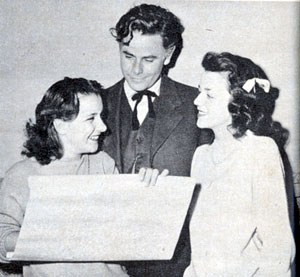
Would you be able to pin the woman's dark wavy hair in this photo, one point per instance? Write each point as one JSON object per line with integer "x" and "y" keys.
{"x": 249, "y": 111}
{"x": 59, "y": 102}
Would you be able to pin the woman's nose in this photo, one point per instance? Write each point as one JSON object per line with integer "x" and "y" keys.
{"x": 101, "y": 127}
{"x": 199, "y": 99}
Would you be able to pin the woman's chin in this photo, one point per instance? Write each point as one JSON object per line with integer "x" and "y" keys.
{"x": 92, "y": 148}
{"x": 201, "y": 124}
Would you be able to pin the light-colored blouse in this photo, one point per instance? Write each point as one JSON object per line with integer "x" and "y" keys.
{"x": 14, "y": 196}
{"x": 240, "y": 226}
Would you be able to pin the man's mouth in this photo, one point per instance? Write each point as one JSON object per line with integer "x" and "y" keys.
{"x": 137, "y": 79}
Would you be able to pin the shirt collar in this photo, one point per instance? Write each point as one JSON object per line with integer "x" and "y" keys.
{"x": 130, "y": 92}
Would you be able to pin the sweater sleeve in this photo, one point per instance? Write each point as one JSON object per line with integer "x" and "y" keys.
{"x": 273, "y": 238}
{"x": 14, "y": 196}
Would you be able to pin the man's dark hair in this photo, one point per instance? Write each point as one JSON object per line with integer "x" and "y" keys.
{"x": 151, "y": 19}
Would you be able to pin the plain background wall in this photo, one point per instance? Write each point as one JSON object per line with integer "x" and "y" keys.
{"x": 43, "y": 41}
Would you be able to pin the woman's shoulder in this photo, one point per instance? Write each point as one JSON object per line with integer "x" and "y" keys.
{"x": 24, "y": 167}
{"x": 15, "y": 178}
{"x": 259, "y": 142}
{"x": 261, "y": 147}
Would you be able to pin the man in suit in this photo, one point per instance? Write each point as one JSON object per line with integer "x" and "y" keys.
{"x": 151, "y": 118}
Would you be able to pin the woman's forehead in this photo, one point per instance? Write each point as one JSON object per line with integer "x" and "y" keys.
{"x": 89, "y": 103}
{"x": 211, "y": 79}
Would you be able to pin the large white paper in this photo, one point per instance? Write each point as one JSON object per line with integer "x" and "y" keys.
{"x": 102, "y": 218}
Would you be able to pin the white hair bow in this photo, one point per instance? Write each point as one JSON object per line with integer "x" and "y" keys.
{"x": 263, "y": 83}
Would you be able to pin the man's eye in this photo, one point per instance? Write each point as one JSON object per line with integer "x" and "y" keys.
{"x": 209, "y": 96}
{"x": 149, "y": 60}
{"x": 128, "y": 56}
{"x": 90, "y": 118}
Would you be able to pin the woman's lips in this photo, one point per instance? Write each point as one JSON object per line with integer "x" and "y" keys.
{"x": 201, "y": 113}
{"x": 94, "y": 137}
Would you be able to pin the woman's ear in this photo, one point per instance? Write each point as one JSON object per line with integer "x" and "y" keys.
{"x": 169, "y": 54}
{"x": 60, "y": 126}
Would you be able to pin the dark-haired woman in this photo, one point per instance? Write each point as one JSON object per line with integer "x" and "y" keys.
{"x": 61, "y": 141}
{"x": 240, "y": 226}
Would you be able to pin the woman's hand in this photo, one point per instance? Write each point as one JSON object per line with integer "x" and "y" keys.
{"x": 150, "y": 175}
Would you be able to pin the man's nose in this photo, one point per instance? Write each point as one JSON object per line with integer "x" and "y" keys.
{"x": 137, "y": 67}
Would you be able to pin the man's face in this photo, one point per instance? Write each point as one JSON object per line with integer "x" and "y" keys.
{"x": 143, "y": 59}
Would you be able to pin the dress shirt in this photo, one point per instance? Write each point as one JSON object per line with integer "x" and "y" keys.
{"x": 142, "y": 108}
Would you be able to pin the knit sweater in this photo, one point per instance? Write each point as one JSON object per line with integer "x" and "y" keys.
{"x": 14, "y": 196}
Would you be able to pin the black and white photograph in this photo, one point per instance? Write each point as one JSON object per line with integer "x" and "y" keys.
{"x": 149, "y": 138}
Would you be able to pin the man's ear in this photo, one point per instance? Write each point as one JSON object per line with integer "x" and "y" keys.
{"x": 169, "y": 54}
{"x": 60, "y": 126}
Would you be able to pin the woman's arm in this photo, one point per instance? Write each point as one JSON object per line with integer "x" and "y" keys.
{"x": 274, "y": 240}
{"x": 13, "y": 199}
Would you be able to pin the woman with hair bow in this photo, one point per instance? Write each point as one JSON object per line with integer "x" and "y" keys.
{"x": 240, "y": 225}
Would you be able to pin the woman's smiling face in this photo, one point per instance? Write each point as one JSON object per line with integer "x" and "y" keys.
{"x": 212, "y": 101}
{"x": 82, "y": 134}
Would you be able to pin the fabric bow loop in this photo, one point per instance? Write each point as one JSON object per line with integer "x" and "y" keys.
{"x": 138, "y": 98}
{"x": 263, "y": 83}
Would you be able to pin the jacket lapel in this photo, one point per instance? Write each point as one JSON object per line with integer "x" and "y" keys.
{"x": 168, "y": 113}
{"x": 117, "y": 121}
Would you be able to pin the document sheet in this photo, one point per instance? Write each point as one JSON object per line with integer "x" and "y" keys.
{"x": 102, "y": 218}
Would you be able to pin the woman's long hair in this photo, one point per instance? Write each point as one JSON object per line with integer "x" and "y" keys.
{"x": 249, "y": 110}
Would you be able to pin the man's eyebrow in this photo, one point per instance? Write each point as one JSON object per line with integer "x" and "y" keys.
{"x": 127, "y": 53}
{"x": 150, "y": 57}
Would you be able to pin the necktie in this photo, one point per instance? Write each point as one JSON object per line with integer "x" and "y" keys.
{"x": 138, "y": 98}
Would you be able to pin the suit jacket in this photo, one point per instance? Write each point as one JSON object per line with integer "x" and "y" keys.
{"x": 175, "y": 135}
{"x": 175, "y": 138}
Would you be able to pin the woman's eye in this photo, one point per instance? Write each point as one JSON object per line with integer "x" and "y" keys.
{"x": 90, "y": 118}
{"x": 209, "y": 96}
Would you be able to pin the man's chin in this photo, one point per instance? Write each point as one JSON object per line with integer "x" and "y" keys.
{"x": 138, "y": 87}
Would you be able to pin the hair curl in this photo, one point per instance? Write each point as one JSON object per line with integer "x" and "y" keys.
{"x": 249, "y": 111}
{"x": 59, "y": 102}
{"x": 151, "y": 19}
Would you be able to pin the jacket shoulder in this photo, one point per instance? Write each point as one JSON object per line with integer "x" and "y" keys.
{"x": 183, "y": 87}
{"x": 115, "y": 87}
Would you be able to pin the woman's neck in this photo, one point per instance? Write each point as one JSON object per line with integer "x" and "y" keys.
{"x": 71, "y": 158}
{"x": 224, "y": 144}
{"x": 223, "y": 136}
